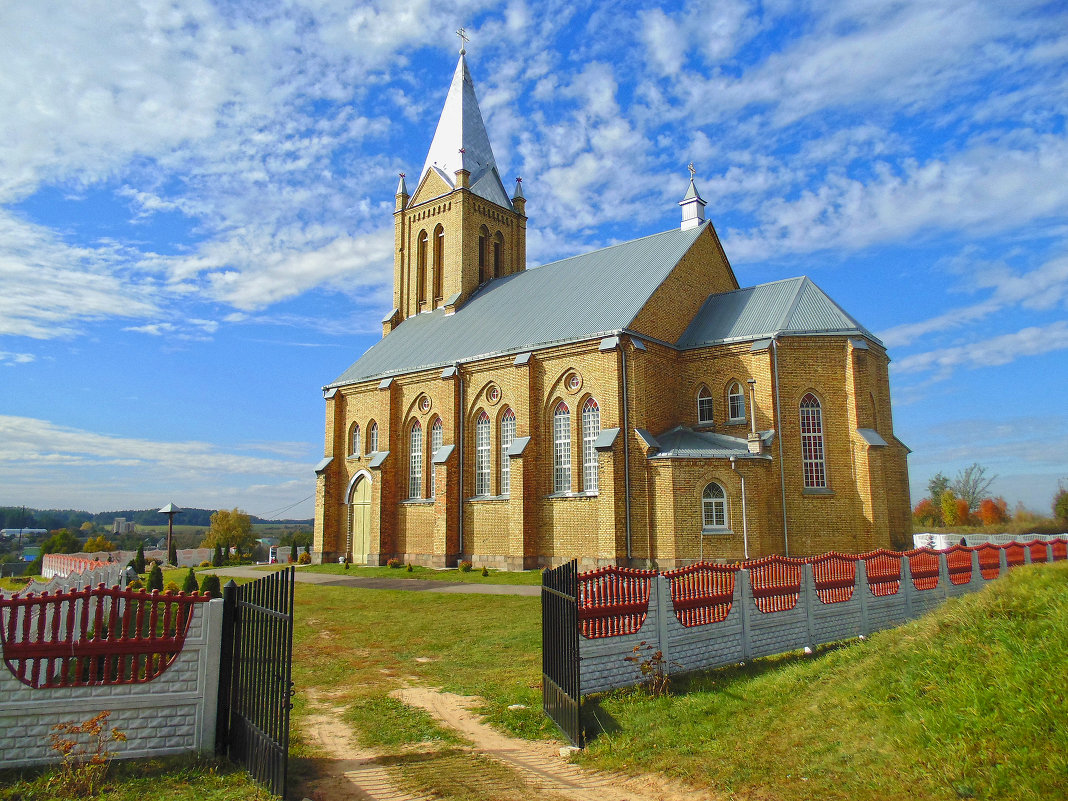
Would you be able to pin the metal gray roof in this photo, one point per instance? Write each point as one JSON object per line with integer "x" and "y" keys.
{"x": 685, "y": 443}
{"x": 461, "y": 141}
{"x": 578, "y": 298}
{"x": 790, "y": 306}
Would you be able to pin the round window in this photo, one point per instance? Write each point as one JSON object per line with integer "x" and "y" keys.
{"x": 493, "y": 394}
{"x": 574, "y": 382}
{"x": 424, "y": 404}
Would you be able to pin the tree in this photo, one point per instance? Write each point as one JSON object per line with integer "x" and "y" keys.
{"x": 217, "y": 557}
{"x": 926, "y": 514}
{"x": 293, "y": 551}
{"x": 972, "y": 484}
{"x": 139, "y": 558}
{"x": 190, "y": 583}
{"x": 936, "y": 485}
{"x": 99, "y": 543}
{"x": 993, "y": 511}
{"x": 155, "y": 578}
{"x": 1060, "y": 503}
{"x": 949, "y": 508}
{"x": 231, "y": 529}
{"x": 209, "y": 585}
{"x": 87, "y": 528}
{"x": 62, "y": 541}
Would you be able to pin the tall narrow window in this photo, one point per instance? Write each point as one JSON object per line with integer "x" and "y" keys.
{"x": 439, "y": 262}
{"x": 420, "y": 271}
{"x": 507, "y": 437}
{"x": 562, "y": 448}
{"x": 704, "y": 406}
{"x": 591, "y": 427}
{"x": 812, "y": 459}
{"x": 355, "y": 440}
{"x": 415, "y": 461}
{"x": 482, "y": 455}
{"x": 736, "y": 402}
{"x": 483, "y": 235}
{"x": 498, "y": 254}
{"x": 436, "y": 434}
{"x": 714, "y": 507}
{"x": 372, "y": 438}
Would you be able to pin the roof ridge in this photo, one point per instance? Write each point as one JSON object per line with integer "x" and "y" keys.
{"x": 620, "y": 244}
{"x": 842, "y": 311}
{"x": 789, "y": 313}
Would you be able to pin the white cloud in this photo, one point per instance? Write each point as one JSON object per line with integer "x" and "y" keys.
{"x": 992, "y": 352}
{"x": 10, "y": 359}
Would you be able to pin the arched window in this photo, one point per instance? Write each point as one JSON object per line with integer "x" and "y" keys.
{"x": 591, "y": 427}
{"x": 372, "y": 437}
{"x": 812, "y": 459}
{"x": 507, "y": 437}
{"x": 354, "y": 440}
{"x": 736, "y": 401}
{"x": 714, "y": 507}
{"x": 483, "y": 237}
{"x": 420, "y": 271}
{"x": 704, "y": 407}
{"x": 498, "y": 254}
{"x": 415, "y": 461}
{"x": 482, "y": 455}
{"x": 436, "y": 436}
{"x": 562, "y": 448}
{"x": 439, "y": 262}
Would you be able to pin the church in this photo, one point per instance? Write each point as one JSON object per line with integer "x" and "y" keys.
{"x": 631, "y": 406}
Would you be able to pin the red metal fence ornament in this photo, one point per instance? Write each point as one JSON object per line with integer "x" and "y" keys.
{"x": 835, "y": 576}
{"x": 775, "y": 582}
{"x": 702, "y": 593}
{"x": 923, "y": 566}
{"x": 613, "y": 601}
{"x": 93, "y": 637}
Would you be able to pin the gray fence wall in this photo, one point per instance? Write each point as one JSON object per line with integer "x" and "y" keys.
{"x": 748, "y": 633}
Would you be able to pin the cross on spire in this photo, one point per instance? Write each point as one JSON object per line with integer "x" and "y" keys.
{"x": 463, "y": 40}
{"x": 692, "y": 171}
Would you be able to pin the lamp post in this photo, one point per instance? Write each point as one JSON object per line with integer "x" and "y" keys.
{"x": 170, "y": 510}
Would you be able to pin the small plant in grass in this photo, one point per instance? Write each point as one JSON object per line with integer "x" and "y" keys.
{"x": 304, "y": 559}
{"x": 205, "y": 563}
{"x": 136, "y": 584}
{"x": 346, "y": 564}
{"x": 210, "y": 586}
{"x": 410, "y": 568}
{"x": 171, "y": 587}
{"x": 394, "y": 563}
{"x": 190, "y": 583}
{"x": 86, "y": 755}
{"x": 654, "y": 668}
{"x": 465, "y": 567}
{"x": 485, "y": 571}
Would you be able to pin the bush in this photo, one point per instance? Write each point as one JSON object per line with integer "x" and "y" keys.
{"x": 465, "y": 567}
{"x": 205, "y": 563}
{"x": 1060, "y": 504}
{"x": 172, "y": 587}
{"x": 155, "y": 578}
{"x": 190, "y": 583}
{"x": 136, "y": 584}
{"x": 210, "y": 585}
{"x": 394, "y": 563}
{"x": 993, "y": 511}
{"x": 304, "y": 559}
{"x": 485, "y": 571}
{"x": 139, "y": 559}
{"x": 409, "y": 567}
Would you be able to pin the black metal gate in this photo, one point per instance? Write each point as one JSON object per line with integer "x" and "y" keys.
{"x": 560, "y": 650}
{"x": 255, "y": 684}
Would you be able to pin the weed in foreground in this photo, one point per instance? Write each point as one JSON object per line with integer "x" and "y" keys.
{"x": 86, "y": 755}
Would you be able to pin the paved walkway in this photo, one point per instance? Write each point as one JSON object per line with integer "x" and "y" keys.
{"x": 373, "y": 583}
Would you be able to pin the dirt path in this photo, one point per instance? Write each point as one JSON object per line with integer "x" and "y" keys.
{"x": 351, "y": 772}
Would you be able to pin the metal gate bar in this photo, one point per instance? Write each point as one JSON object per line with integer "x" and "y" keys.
{"x": 561, "y": 699}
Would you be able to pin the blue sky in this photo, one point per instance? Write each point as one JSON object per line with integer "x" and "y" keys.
{"x": 196, "y": 198}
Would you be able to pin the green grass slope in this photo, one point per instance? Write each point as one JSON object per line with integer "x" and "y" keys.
{"x": 970, "y": 701}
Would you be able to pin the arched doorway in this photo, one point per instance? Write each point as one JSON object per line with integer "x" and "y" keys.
{"x": 359, "y": 539}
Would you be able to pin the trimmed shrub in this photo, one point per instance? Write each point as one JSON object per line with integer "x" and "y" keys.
{"x": 210, "y": 585}
{"x": 139, "y": 559}
{"x": 485, "y": 571}
{"x": 155, "y": 578}
{"x": 410, "y": 569}
{"x": 190, "y": 583}
{"x": 172, "y": 587}
{"x": 136, "y": 584}
{"x": 304, "y": 559}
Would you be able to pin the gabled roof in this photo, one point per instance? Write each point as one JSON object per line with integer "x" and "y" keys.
{"x": 578, "y": 298}
{"x": 461, "y": 128}
{"x": 685, "y": 443}
{"x": 791, "y": 306}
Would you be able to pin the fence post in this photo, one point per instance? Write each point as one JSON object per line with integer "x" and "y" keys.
{"x": 808, "y": 597}
{"x": 745, "y": 596}
{"x": 226, "y": 663}
{"x": 1003, "y": 562}
{"x": 662, "y": 587}
{"x": 861, "y": 589}
{"x": 943, "y": 574}
{"x": 907, "y": 586}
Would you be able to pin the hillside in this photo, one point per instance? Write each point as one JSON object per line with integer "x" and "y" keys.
{"x": 967, "y": 702}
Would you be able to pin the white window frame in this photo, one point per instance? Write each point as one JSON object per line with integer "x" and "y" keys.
{"x": 415, "y": 461}
{"x": 482, "y": 455}
{"x": 591, "y": 427}
{"x": 714, "y": 508}
{"x": 354, "y": 440}
{"x": 436, "y": 438}
{"x": 705, "y": 407}
{"x": 561, "y": 449}
{"x": 736, "y": 402}
{"x": 813, "y": 452}
{"x": 372, "y": 438}
{"x": 507, "y": 437}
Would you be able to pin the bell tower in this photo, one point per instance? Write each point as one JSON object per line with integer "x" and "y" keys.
{"x": 459, "y": 229}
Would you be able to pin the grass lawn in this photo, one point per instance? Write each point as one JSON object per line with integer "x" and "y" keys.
{"x": 174, "y": 779}
{"x": 968, "y": 702}
{"x": 473, "y": 576}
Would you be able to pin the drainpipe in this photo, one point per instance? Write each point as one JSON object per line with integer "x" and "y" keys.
{"x": 745, "y": 518}
{"x": 626, "y": 448}
{"x": 460, "y": 462}
{"x": 778, "y": 429}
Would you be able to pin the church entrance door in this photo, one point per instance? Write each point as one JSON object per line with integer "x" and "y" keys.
{"x": 360, "y": 521}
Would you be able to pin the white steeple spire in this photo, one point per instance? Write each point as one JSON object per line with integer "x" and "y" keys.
{"x": 461, "y": 142}
{"x": 693, "y": 205}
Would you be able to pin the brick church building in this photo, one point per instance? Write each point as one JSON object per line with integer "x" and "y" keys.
{"x": 632, "y": 405}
